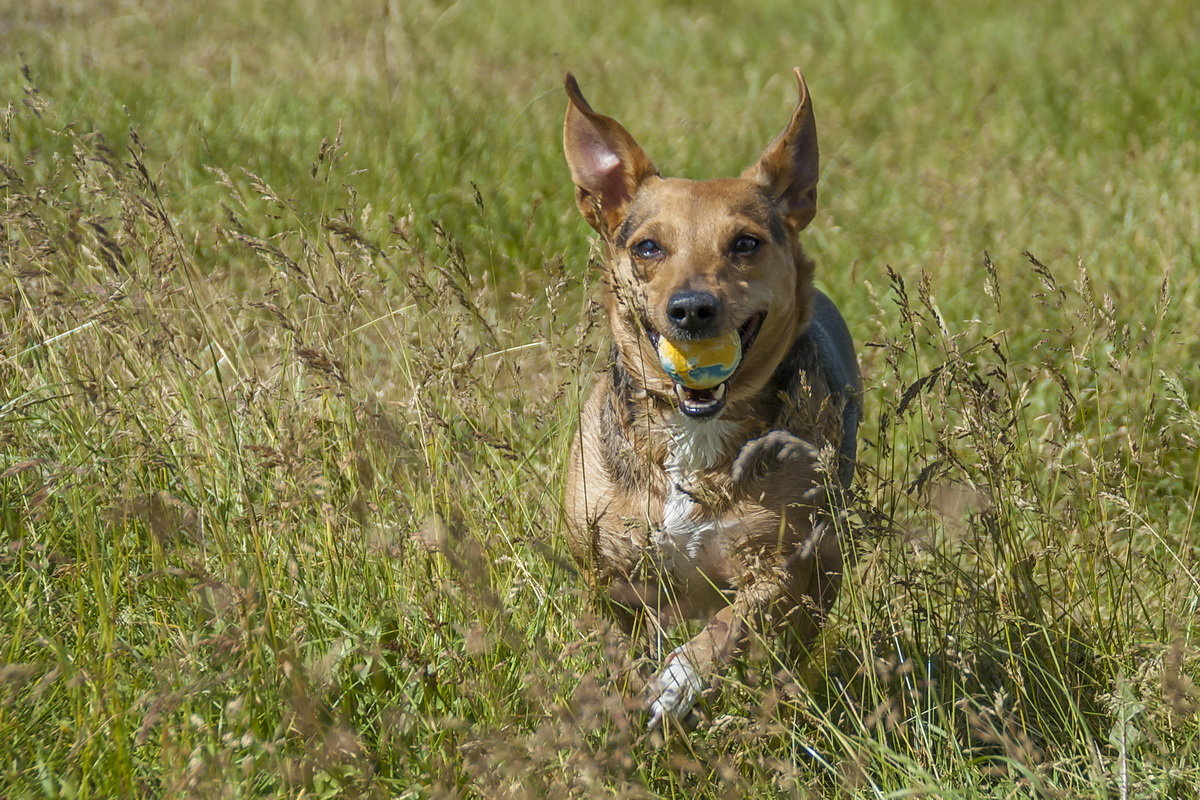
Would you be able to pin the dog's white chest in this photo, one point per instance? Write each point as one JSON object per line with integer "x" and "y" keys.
{"x": 689, "y": 538}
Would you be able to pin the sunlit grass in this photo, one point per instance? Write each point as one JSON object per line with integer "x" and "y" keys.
{"x": 294, "y": 322}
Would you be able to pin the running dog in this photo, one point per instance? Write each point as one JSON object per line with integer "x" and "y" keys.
{"x": 709, "y": 457}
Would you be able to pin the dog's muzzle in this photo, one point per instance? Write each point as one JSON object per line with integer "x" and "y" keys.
{"x": 707, "y": 403}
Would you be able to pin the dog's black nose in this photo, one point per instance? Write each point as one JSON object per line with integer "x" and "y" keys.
{"x": 694, "y": 312}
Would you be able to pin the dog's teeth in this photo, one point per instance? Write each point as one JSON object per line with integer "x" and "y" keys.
{"x": 696, "y": 402}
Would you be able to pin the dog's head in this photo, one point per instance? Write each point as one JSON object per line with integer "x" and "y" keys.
{"x": 698, "y": 260}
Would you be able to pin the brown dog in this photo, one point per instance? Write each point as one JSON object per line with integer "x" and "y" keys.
{"x": 710, "y": 502}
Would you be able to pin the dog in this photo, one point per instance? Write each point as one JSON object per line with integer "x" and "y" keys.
{"x": 710, "y": 502}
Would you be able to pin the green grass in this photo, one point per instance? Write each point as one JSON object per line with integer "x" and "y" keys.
{"x": 294, "y": 322}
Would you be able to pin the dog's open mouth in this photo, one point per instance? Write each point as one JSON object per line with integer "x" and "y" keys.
{"x": 700, "y": 403}
{"x": 707, "y": 403}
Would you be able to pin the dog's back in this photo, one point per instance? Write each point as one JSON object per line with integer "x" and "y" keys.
{"x": 833, "y": 342}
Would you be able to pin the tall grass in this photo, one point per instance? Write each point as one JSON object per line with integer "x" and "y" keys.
{"x": 295, "y": 317}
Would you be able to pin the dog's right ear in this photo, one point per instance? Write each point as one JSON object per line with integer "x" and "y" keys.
{"x": 607, "y": 165}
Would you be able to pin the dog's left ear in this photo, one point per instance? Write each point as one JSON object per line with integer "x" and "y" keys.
{"x": 788, "y": 168}
{"x": 607, "y": 165}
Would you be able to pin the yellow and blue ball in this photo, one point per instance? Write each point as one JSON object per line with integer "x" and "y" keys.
{"x": 703, "y": 364}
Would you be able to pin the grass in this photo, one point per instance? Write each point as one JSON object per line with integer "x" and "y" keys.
{"x": 294, "y": 322}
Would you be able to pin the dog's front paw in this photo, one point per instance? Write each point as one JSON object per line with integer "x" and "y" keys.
{"x": 674, "y": 690}
{"x": 774, "y": 447}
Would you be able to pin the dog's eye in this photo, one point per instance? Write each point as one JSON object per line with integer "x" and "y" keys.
{"x": 647, "y": 248}
{"x": 743, "y": 245}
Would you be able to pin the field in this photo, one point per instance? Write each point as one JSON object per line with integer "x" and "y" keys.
{"x": 296, "y": 313}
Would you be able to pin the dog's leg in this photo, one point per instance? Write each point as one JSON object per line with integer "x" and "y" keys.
{"x": 813, "y": 589}
{"x": 795, "y": 591}
{"x": 630, "y": 602}
{"x": 687, "y": 670}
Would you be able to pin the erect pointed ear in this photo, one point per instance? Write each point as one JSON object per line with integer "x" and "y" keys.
{"x": 787, "y": 170}
{"x": 606, "y": 164}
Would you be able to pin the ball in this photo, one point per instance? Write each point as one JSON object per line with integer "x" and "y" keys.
{"x": 703, "y": 364}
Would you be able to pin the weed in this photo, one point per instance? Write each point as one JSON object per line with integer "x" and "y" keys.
{"x": 293, "y": 329}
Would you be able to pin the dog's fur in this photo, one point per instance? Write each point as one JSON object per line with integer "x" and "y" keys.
{"x": 722, "y": 512}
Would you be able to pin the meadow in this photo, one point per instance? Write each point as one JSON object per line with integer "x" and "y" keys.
{"x": 296, "y": 312}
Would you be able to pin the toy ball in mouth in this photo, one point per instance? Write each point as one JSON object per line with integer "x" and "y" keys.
{"x": 703, "y": 364}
